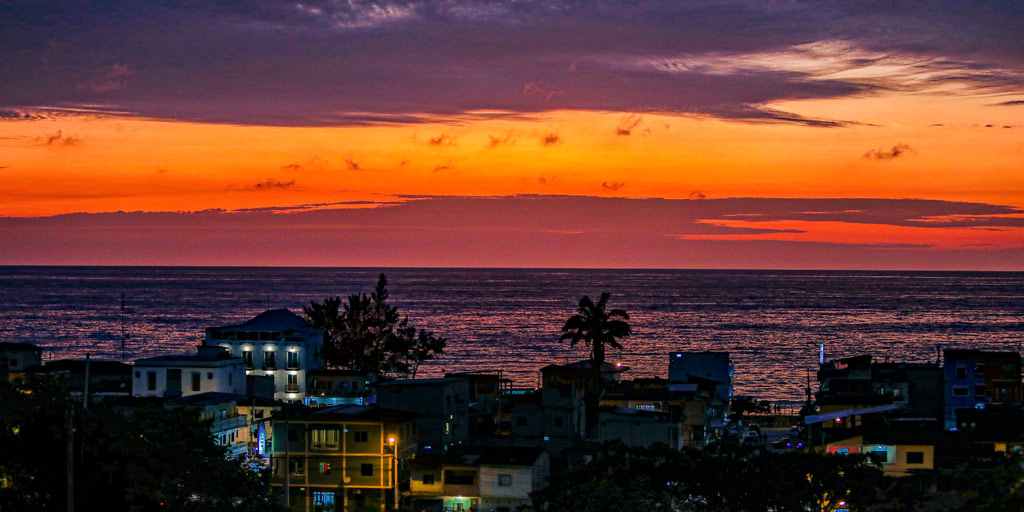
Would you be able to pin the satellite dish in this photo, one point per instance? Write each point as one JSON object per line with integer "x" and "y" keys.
{"x": 348, "y": 479}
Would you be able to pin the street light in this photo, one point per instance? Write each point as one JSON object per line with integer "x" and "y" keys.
{"x": 393, "y": 442}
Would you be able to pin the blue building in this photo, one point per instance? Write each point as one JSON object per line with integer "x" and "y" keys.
{"x": 714, "y": 368}
{"x": 976, "y": 379}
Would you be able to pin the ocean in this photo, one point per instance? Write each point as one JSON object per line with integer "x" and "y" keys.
{"x": 772, "y": 322}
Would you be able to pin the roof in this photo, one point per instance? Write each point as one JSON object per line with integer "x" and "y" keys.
{"x": 188, "y": 360}
{"x": 845, "y": 413}
{"x": 584, "y": 366}
{"x": 272, "y": 320}
{"x": 421, "y": 382}
{"x": 209, "y": 398}
{"x": 493, "y": 456}
{"x": 338, "y": 373}
{"x": 78, "y": 365}
{"x": 965, "y": 354}
{"x": 20, "y": 346}
{"x": 353, "y": 412}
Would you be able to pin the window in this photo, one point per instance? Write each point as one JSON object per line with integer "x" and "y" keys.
{"x": 504, "y": 480}
{"x": 292, "y": 435}
{"x": 521, "y": 421}
{"x": 558, "y": 421}
{"x": 452, "y": 477}
{"x": 325, "y": 438}
{"x": 323, "y": 501}
{"x": 881, "y": 456}
{"x": 979, "y": 369}
{"x": 961, "y": 372}
{"x": 247, "y": 357}
{"x": 979, "y": 390}
{"x": 325, "y": 468}
{"x": 268, "y": 359}
{"x": 296, "y": 466}
{"x": 361, "y": 436}
{"x": 293, "y": 383}
{"x": 915, "y": 457}
{"x": 428, "y": 479}
{"x": 138, "y": 375}
{"x": 195, "y": 381}
{"x": 366, "y": 469}
{"x": 209, "y": 375}
{"x": 960, "y": 391}
{"x": 293, "y": 360}
{"x": 151, "y": 381}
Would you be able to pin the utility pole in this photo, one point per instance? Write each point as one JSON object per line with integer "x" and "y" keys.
{"x": 124, "y": 329}
{"x": 69, "y": 428}
{"x": 287, "y": 462}
{"x": 85, "y": 388}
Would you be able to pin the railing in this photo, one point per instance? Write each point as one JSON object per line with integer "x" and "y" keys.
{"x": 291, "y": 388}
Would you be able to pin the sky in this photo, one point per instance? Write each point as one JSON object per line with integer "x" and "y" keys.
{"x": 856, "y": 134}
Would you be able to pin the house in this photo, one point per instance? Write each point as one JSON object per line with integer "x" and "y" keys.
{"x": 277, "y": 344}
{"x": 481, "y": 479}
{"x": 211, "y": 369}
{"x": 710, "y": 369}
{"x": 106, "y": 378}
{"x": 640, "y": 428}
{"x": 861, "y": 382}
{"x": 979, "y": 379}
{"x": 683, "y": 405}
{"x": 229, "y": 428}
{"x": 327, "y": 388}
{"x": 341, "y": 458}
{"x": 441, "y": 403}
{"x": 546, "y": 417}
{"x": 16, "y": 357}
{"x": 899, "y": 450}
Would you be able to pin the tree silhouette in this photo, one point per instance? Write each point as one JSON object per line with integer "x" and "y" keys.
{"x": 599, "y": 329}
{"x": 366, "y": 333}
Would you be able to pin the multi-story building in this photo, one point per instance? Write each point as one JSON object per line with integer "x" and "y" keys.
{"x": 979, "y": 379}
{"x": 211, "y": 369}
{"x": 341, "y": 458}
{"x": 860, "y": 382}
{"x": 443, "y": 406}
{"x": 327, "y": 388}
{"x": 547, "y": 417}
{"x": 705, "y": 368}
{"x": 105, "y": 378}
{"x": 16, "y": 357}
{"x": 276, "y": 343}
{"x": 682, "y": 406}
{"x": 229, "y": 428}
{"x": 479, "y": 479}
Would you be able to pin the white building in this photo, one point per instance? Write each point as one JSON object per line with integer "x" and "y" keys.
{"x": 211, "y": 369}
{"x": 276, "y": 343}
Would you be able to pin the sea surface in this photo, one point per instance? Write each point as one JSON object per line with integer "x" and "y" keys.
{"x": 772, "y": 322}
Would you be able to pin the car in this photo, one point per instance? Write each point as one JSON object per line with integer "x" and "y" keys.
{"x": 752, "y": 437}
{"x": 782, "y": 444}
{"x": 794, "y": 431}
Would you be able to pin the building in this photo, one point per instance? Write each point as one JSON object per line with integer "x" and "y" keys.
{"x": 899, "y": 452}
{"x": 979, "y": 379}
{"x": 229, "y": 428}
{"x": 341, "y": 458}
{"x": 106, "y": 378}
{"x": 640, "y": 428}
{"x": 442, "y": 405}
{"x": 861, "y": 382}
{"x": 712, "y": 369}
{"x": 546, "y": 417}
{"x": 327, "y": 388}
{"x": 479, "y": 479}
{"x": 682, "y": 405}
{"x": 211, "y": 369}
{"x": 16, "y": 357}
{"x": 276, "y": 343}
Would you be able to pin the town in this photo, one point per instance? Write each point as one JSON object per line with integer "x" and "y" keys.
{"x": 331, "y": 439}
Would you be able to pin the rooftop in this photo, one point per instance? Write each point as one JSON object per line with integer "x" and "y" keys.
{"x": 19, "y": 346}
{"x": 357, "y": 412}
{"x": 272, "y": 320}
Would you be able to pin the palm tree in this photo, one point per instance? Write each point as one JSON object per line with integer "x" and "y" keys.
{"x": 598, "y": 329}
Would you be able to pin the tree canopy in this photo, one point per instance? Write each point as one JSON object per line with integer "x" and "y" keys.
{"x": 125, "y": 459}
{"x": 364, "y": 332}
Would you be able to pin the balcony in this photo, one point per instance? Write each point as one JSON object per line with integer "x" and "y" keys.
{"x": 291, "y": 388}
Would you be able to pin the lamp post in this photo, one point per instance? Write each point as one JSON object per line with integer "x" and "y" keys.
{"x": 393, "y": 442}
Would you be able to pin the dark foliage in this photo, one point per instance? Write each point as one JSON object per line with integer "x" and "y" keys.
{"x": 124, "y": 460}
{"x": 366, "y": 333}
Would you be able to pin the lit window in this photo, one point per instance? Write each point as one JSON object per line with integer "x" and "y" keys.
{"x": 325, "y": 438}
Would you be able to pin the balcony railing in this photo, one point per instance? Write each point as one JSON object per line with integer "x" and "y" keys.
{"x": 291, "y": 388}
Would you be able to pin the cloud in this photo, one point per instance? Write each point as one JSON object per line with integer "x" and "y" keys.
{"x": 550, "y": 139}
{"x": 612, "y": 186}
{"x": 268, "y": 184}
{"x": 444, "y": 167}
{"x": 696, "y": 194}
{"x": 58, "y": 138}
{"x": 550, "y": 180}
{"x": 292, "y": 167}
{"x": 352, "y": 165}
{"x": 495, "y": 141}
{"x": 108, "y": 79}
{"x": 628, "y": 123}
{"x": 442, "y": 140}
{"x": 1011, "y": 103}
{"x": 880, "y": 154}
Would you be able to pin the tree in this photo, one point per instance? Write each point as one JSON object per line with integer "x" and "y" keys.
{"x": 599, "y": 329}
{"x": 742, "y": 405}
{"x": 366, "y": 333}
{"x": 125, "y": 458}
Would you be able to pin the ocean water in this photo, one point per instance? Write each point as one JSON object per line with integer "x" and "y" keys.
{"x": 772, "y": 322}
